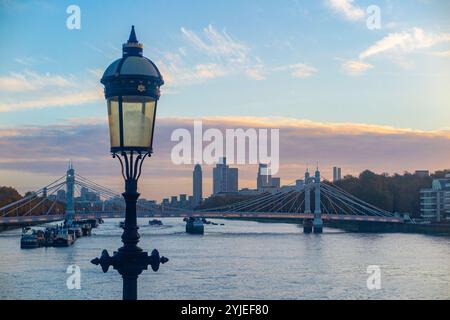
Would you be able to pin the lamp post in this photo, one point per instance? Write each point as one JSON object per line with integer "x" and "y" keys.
{"x": 132, "y": 91}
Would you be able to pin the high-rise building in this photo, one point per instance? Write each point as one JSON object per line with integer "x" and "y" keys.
{"x": 337, "y": 174}
{"x": 264, "y": 180}
{"x": 232, "y": 180}
{"x": 197, "y": 185}
{"x": 225, "y": 179}
{"x": 61, "y": 195}
{"x": 88, "y": 196}
{"x": 183, "y": 201}
{"x": 275, "y": 182}
{"x": 435, "y": 202}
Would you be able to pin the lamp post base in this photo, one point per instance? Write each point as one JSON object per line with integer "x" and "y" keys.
{"x": 130, "y": 260}
{"x": 130, "y": 265}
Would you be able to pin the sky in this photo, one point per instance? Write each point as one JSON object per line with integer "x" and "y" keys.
{"x": 340, "y": 92}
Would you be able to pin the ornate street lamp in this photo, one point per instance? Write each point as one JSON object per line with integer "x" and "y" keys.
{"x": 132, "y": 91}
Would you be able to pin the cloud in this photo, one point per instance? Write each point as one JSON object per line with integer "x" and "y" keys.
{"x": 177, "y": 74}
{"x": 60, "y": 100}
{"x": 216, "y": 54}
{"x": 31, "y": 90}
{"x": 25, "y": 61}
{"x": 213, "y": 54}
{"x": 218, "y": 44}
{"x": 299, "y": 70}
{"x": 405, "y": 42}
{"x": 443, "y": 54}
{"x": 97, "y": 73}
{"x": 37, "y": 152}
{"x": 347, "y": 9}
{"x": 355, "y": 68}
{"x": 208, "y": 71}
{"x": 396, "y": 46}
{"x": 256, "y": 73}
{"x": 32, "y": 81}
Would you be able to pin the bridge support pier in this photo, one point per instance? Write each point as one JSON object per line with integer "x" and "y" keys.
{"x": 318, "y": 222}
{"x": 307, "y": 226}
{"x": 318, "y": 225}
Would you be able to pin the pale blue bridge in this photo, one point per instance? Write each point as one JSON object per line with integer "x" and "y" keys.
{"x": 315, "y": 202}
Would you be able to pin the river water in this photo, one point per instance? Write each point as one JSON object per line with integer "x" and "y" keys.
{"x": 240, "y": 260}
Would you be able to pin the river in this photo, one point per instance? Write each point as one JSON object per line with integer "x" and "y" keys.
{"x": 240, "y": 260}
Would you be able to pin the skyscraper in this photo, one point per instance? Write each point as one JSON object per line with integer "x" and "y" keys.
{"x": 262, "y": 179}
{"x": 275, "y": 182}
{"x": 232, "y": 180}
{"x": 336, "y": 174}
{"x": 197, "y": 185}
{"x": 225, "y": 179}
{"x": 265, "y": 180}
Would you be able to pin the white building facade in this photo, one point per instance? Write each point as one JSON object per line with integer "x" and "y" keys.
{"x": 435, "y": 202}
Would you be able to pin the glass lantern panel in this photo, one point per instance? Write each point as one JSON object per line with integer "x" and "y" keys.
{"x": 114, "y": 125}
{"x": 138, "y": 121}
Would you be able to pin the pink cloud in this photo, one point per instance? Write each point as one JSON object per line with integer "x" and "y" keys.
{"x": 42, "y": 152}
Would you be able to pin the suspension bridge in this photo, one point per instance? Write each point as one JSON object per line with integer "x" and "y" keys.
{"x": 73, "y": 197}
{"x": 312, "y": 204}
{"x": 70, "y": 197}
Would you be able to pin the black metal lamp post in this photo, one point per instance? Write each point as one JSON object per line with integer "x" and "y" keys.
{"x": 132, "y": 91}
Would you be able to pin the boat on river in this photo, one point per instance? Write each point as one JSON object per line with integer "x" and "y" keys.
{"x": 194, "y": 226}
{"x": 155, "y": 222}
{"x": 32, "y": 238}
{"x": 63, "y": 238}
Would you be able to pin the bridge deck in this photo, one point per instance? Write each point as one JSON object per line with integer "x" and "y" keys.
{"x": 271, "y": 215}
{"x": 5, "y": 221}
{"x": 9, "y": 221}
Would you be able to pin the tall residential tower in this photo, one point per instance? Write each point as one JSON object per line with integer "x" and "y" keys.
{"x": 225, "y": 179}
{"x": 197, "y": 185}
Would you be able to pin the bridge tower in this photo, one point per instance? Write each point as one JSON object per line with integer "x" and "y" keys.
{"x": 318, "y": 222}
{"x": 307, "y": 192}
{"x": 70, "y": 184}
{"x": 307, "y": 223}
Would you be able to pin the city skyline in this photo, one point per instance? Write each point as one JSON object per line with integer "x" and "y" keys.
{"x": 301, "y": 144}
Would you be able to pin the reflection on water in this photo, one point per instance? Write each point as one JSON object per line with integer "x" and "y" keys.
{"x": 240, "y": 260}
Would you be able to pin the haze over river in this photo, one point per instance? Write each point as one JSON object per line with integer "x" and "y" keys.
{"x": 240, "y": 260}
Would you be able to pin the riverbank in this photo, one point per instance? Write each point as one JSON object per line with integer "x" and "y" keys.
{"x": 368, "y": 227}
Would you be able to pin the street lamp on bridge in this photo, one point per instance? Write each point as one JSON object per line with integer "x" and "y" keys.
{"x": 132, "y": 89}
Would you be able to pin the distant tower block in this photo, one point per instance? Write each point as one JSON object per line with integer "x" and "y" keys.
{"x": 318, "y": 222}
{"x": 197, "y": 186}
{"x": 337, "y": 174}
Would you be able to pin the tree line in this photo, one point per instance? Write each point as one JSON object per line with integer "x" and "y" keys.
{"x": 394, "y": 193}
{"x": 9, "y": 195}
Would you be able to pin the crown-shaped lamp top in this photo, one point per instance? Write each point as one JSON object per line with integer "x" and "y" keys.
{"x": 132, "y": 47}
